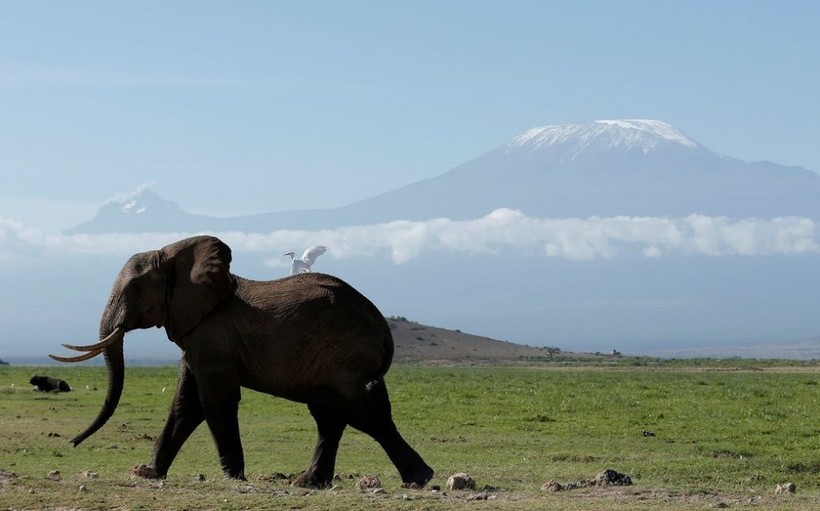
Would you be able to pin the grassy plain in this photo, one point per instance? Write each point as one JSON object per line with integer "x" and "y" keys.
{"x": 722, "y": 438}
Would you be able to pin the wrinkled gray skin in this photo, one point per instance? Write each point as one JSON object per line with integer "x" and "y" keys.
{"x": 309, "y": 338}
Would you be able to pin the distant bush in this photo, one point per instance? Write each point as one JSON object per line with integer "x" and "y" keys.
{"x": 402, "y": 319}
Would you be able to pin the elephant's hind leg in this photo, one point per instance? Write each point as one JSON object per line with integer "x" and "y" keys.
{"x": 184, "y": 417}
{"x": 330, "y": 425}
{"x": 374, "y": 418}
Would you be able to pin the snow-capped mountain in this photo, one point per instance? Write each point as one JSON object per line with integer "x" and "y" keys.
{"x": 602, "y": 168}
{"x": 646, "y": 135}
{"x": 606, "y": 168}
{"x": 141, "y": 211}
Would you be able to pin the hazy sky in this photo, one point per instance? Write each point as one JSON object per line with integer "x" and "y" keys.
{"x": 246, "y": 107}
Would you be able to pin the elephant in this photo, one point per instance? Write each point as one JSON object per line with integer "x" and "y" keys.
{"x": 49, "y": 384}
{"x": 309, "y": 338}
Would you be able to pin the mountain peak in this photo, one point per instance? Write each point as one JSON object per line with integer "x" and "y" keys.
{"x": 141, "y": 210}
{"x": 138, "y": 202}
{"x": 646, "y": 135}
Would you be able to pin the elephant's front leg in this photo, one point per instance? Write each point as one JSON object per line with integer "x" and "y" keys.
{"x": 184, "y": 417}
{"x": 219, "y": 396}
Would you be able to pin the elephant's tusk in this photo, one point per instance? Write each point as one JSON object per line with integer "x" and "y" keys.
{"x": 112, "y": 337}
{"x": 78, "y": 358}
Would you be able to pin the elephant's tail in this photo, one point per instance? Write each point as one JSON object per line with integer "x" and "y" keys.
{"x": 388, "y": 349}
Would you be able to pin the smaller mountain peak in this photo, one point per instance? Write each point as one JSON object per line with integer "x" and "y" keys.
{"x": 140, "y": 210}
{"x": 644, "y": 134}
{"x": 138, "y": 202}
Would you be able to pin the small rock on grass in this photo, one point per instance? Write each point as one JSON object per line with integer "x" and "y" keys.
{"x": 610, "y": 477}
{"x": 785, "y": 488}
{"x": 369, "y": 483}
{"x": 460, "y": 481}
{"x": 143, "y": 471}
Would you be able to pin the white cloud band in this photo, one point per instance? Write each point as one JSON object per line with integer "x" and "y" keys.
{"x": 502, "y": 231}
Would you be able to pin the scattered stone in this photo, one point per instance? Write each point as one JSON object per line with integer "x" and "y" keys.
{"x": 379, "y": 491}
{"x": 6, "y": 476}
{"x": 610, "y": 477}
{"x": 648, "y": 433}
{"x": 405, "y": 496}
{"x": 144, "y": 471}
{"x": 89, "y": 474}
{"x": 460, "y": 481}
{"x": 54, "y": 435}
{"x": 31, "y": 491}
{"x": 785, "y": 488}
{"x": 435, "y": 488}
{"x": 369, "y": 483}
{"x": 411, "y": 486}
{"x": 83, "y": 488}
{"x": 552, "y": 486}
{"x": 480, "y": 496}
{"x": 200, "y": 477}
{"x": 54, "y": 475}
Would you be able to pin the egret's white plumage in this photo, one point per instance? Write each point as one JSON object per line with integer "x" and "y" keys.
{"x": 303, "y": 264}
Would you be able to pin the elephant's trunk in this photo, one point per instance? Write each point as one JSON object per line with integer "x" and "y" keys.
{"x": 115, "y": 365}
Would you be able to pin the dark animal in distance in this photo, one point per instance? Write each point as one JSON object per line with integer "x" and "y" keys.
{"x": 49, "y": 384}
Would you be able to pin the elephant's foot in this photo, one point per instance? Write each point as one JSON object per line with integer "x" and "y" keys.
{"x": 239, "y": 475}
{"x": 145, "y": 472}
{"x": 312, "y": 480}
{"x": 418, "y": 477}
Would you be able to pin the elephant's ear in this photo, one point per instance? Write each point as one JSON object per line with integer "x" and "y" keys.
{"x": 199, "y": 279}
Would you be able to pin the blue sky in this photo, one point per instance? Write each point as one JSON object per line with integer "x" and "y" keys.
{"x": 231, "y": 108}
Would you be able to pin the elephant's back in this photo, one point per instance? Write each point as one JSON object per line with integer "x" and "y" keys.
{"x": 367, "y": 335}
{"x": 326, "y": 330}
{"x": 310, "y": 293}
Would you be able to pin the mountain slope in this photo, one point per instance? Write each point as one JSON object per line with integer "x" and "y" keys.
{"x": 417, "y": 343}
{"x": 142, "y": 211}
{"x": 603, "y": 168}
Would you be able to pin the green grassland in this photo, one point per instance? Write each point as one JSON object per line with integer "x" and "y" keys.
{"x": 722, "y": 438}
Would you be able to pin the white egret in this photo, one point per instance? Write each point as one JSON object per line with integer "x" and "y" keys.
{"x": 303, "y": 265}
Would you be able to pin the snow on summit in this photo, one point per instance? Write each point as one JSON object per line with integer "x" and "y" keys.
{"x": 139, "y": 201}
{"x": 645, "y": 134}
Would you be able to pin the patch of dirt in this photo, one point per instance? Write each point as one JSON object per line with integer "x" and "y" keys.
{"x": 6, "y": 476}
{"x": 277, "y": 477}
